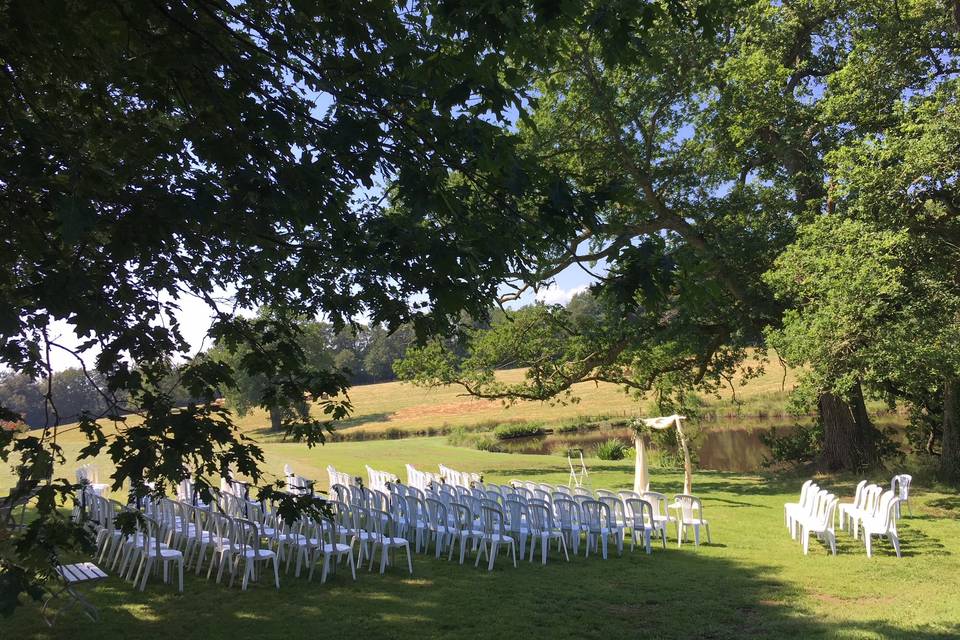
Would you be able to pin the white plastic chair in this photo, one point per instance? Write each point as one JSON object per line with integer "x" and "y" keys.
{"x": 598, "y": 526}
{"x": 245, "y": 547}
{"x": 661, "y": 515}
{"x": 691, "y": 515}
{"x": 870, "y": 504}
{"x": 322, "y": 541}
{"x": 847, "y": 509}
{"x": 438, "y": 525}
{"x": 543, "y": 528}
{"x": 385, "y": 536}
{"x": 567, "y": 512}
{"x": 791, "y": 509}
{"x": 463, "y": 529}
{"x": 493, "y": 535}
{"x": 882, "y": 523}
{"x": 900, "y": 485}
{"x": 820, "y": 523}
{"x": 640, "y": 521}
{"x": 151, "y": 551}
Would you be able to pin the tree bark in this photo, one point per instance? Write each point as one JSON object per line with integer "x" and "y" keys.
{"x": 950, "y": 450}
{"x": 276, "y": 420}
{"x": 849, "y": 437}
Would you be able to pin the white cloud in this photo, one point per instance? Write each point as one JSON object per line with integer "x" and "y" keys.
{"x": 555, "y": 294}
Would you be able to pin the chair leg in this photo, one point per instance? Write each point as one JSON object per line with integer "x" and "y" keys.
{"x": 492, "y": 556}
{"x": 147, "y": 567}
{"x": 895, "y": 539}
{"x": 180, "y": 566}
{"x": 325, "y": 569}
{"x": 409, "y": 560}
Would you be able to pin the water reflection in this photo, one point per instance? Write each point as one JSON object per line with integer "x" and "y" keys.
{"x": 720, "y": 446}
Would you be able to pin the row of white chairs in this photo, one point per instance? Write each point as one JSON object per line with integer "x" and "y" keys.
{"x": 874, "y": 511}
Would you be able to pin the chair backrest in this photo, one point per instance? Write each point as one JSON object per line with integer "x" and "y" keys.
{"x": 151, "y": 533}
{"x": 601, "y": 493}
{"x": 582, "y": 491}
{"x": 437, "y": 513}
{"x": 462, "y": 515}
{"x": 540, "y": 518}
{"x": 220, "y": 525}
{"x": 567, "y": 512}
{"x": 900, "y": 485}
{"x": 628, "y": 495}
{"x": 492, "y": 519}
{"x": 341, "y": 491}
{"x": 885, "y": 515}
{"x": 871, "y": 498}
{"x": 596, "y": 514}
{"x": 807, "y": 499}
{"x": 858, "y": 495}
{"x": 657, "y": 500}
{"x": 380, "y": 523}
{"x": 690, "y": 507}
{"x": 639, "y": 513}
{"x": 246, "y": 535}
{"x": 517, "y": 514}
{"x": 617, "y": 514}
{"x": 473, "y": 503}
{"x": 562, "y": 488}
{"x": 580, "y": 499}
{"x": 804, "y": 489}
{"x": 541, "y": 494}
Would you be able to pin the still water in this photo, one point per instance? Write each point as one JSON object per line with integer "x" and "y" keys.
{"x": 720, "y": 446}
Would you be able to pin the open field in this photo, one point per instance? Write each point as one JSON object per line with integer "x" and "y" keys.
{"x": 394, "y": 409}
{"x": 752, "y": 582}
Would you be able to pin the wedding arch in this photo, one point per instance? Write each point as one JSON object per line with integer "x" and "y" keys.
{"x": 641, "y": 479}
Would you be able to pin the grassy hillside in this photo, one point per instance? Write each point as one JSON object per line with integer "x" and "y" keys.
{"x": 393, "y": 409}
{"x": 403, "y": 407}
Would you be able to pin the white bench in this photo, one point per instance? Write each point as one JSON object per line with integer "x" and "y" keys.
{"x": 72, "y": 576}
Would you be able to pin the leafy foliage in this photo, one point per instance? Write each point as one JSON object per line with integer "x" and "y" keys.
{"x": 517, "y": 430}
{"x": 161, "y": 151}
{"x": 611, "y": 450}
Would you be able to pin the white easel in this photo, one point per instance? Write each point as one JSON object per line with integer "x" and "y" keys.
{"x": 577, "y": 478}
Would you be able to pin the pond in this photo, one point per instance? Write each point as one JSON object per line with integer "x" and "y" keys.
{"x": 721, "y": 446}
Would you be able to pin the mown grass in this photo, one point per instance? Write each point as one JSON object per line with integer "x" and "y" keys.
{"x": 752, "y": 582}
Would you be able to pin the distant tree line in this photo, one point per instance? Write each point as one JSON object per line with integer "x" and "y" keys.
{"x": 366, "y": 354}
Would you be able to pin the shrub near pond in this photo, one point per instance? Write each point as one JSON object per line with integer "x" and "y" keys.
{"x": 517, "y": 430}
{"x": 611, "y": 450}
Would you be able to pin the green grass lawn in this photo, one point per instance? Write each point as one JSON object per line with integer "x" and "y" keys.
{"x": 752, "y": 582}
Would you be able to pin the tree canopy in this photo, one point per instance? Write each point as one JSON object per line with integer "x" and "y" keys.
{"x": 735, "y": 159}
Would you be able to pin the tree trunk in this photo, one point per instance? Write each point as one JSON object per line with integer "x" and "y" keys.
{"x": 950, "y": 451}
{"x": 276, "y": 420}
{"x": 849, "y": 438}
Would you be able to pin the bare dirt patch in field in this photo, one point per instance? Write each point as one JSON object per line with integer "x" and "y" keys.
{"x": 446, "y": 409}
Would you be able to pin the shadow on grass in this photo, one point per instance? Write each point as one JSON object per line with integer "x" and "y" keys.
{"x": 670, "y": 594}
